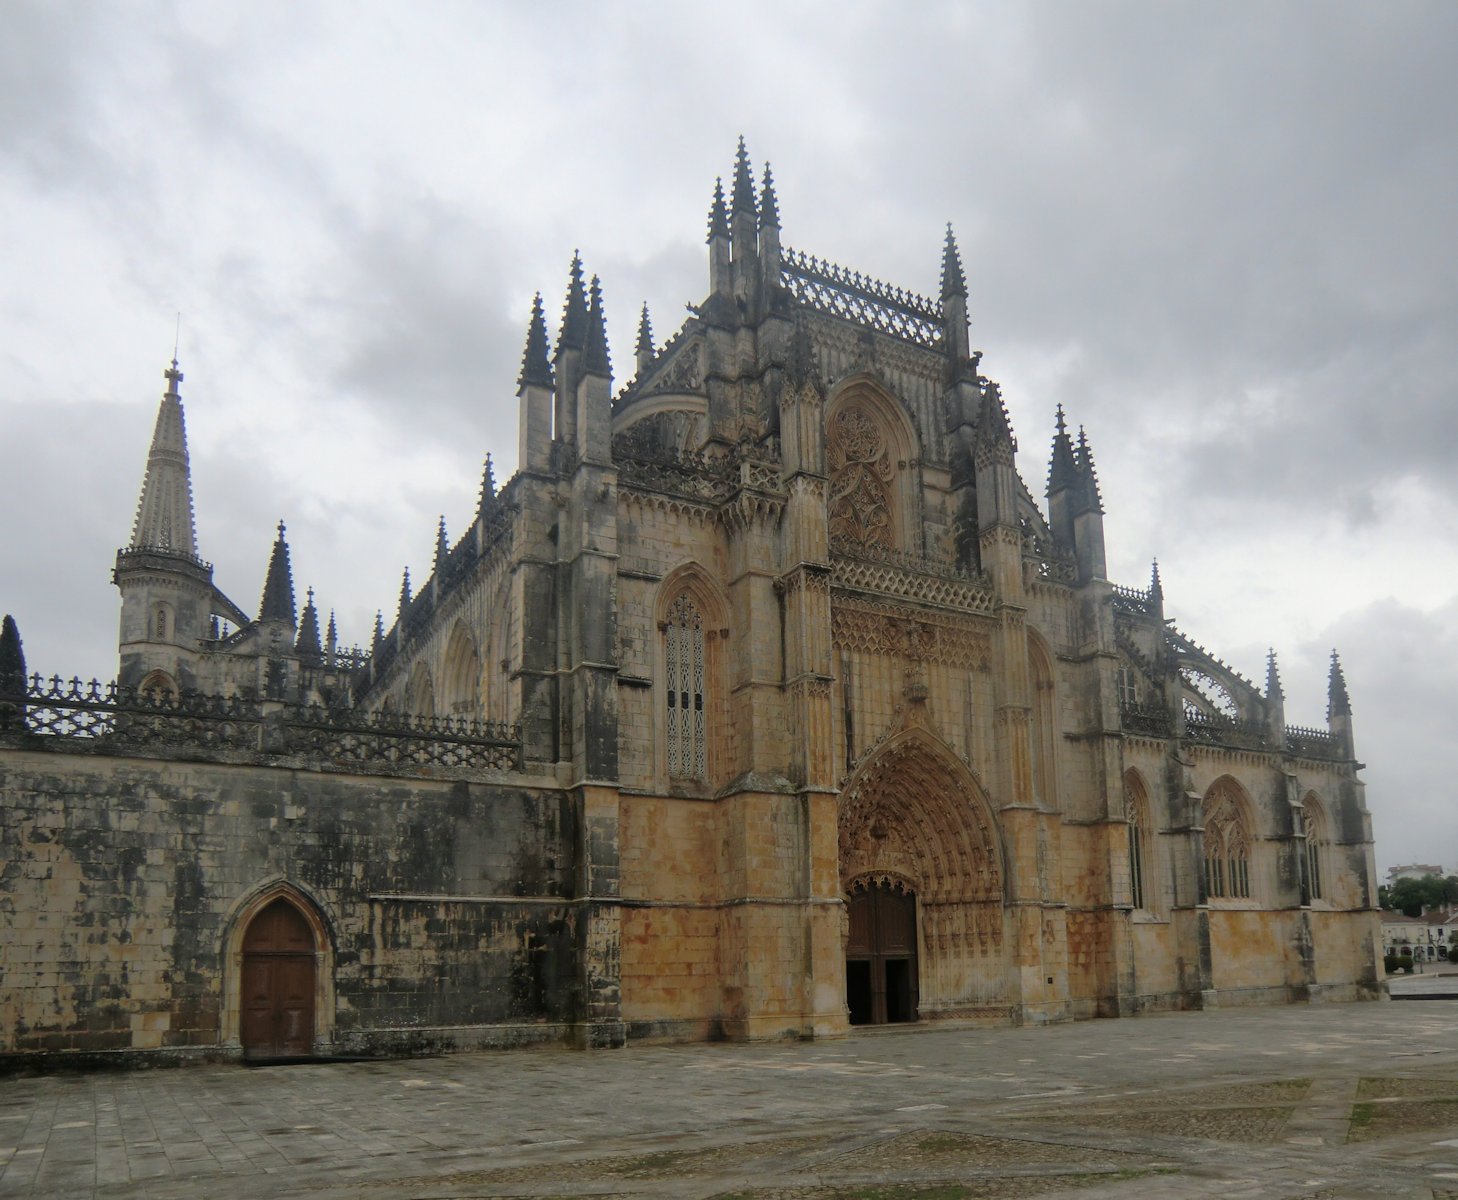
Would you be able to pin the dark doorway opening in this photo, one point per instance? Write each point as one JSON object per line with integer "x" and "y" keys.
{"x": 880, "y": 956}
{"x": 278, "y": 984}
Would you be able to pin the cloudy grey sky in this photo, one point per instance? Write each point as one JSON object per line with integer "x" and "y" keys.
{"x": 1222, "y": 236}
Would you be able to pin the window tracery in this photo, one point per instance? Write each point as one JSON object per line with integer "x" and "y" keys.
{"x": 862, "y": 475}
{"x": 684, "y": 663}
{"x": 1314, "y": 836}
{"x": 1137, "y": 813}
{"x": 1227, "y": 848}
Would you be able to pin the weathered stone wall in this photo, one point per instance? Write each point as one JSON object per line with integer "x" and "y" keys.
{"x": 446, "y": 906}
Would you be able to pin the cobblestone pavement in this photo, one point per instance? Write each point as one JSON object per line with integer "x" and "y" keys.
{"x": 1301, "y": 1103}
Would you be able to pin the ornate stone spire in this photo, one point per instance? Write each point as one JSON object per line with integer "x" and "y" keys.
{"x": 536, "y": 366}
{"x": 1088, "y": 475}
{"x": 278, "y": 585}
{"x": 1338, "y": 703}
{"x": 488, "y": 484}
{"x": 442, "y": 547}
{"x": 164, "y": 511}
{"x": 743, "y": 201}
{"x": 643, "y": 353}
{"x": 1062, "y": 467}
{"x": 379, "y": 638}
{"x": 595, "y": 359}
{"x": 994, "y": 427}
{"x": 718, "y": 213}
{"x": 307, "y": 643}
{"x": 1156, "y": 588}
{"x": 404, "y": 594}
{"x": 331, "y": 637}
{"x": 1274, "y": 691}
{"x": 769, "y": 204}
{"x": 954, "y": 282}
{"x": 573, "y": 333}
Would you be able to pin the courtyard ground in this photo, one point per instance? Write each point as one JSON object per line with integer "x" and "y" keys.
{"x": 1319, "y": 1102}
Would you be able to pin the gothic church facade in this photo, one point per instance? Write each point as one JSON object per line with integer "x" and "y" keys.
{"x": 763, "y": 700}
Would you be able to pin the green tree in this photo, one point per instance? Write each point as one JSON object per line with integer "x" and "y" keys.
{"x": 1412, "y": 896}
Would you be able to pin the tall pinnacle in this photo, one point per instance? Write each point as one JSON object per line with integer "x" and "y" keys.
{"x": 488, "y": 483}
{"x": 769, "y": 204}
{"x": 574, "y": 310}
{"x": 1090, "y": 477}
{"x": 743, "y": 201}
{"x": 164, "y": 511}
{"x": 404, "y": 594}
{"x": 1062, "y": 467}
{"x": 1156, "y": 587}
{"x": 1338, "y": 703}
{"x": 954, "y": 282}
{"x": 645, "y": 332}
{"x": 1274, "y": 691}
{"x": 442, "y": 546}
{"x": 307, "y": 642}
{"x": 718, "y": 213}
{"x": 12, "y": 659}
{"x": 536, "y": 365}
{"x": 278, "y": 585}
{"x": 595, "y": 356}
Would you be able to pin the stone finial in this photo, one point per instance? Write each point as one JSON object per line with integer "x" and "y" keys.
{"x": 595, "y": 359}
{"x": 488, "y": 483}
{"x": 954, "y": 281}
{"x": 536, "y": 366}
{"x": 645, "y": 332}
{"x": 994, "y": 426}
{"x": 743, "y": 201}
{"x": 442, "y": 546}
{"x": 379, "y": 638}
{"x": 331, "y": 637}
{"x": 404, "y": 594}
{"x": 1338, "y": 703}
{"x": 573, "y": 333}
{"x": 1156, "y": 587}
{"x": 278, "y": 584}
{"x": 769, "y": 204}
{"x": 718, "y": 213}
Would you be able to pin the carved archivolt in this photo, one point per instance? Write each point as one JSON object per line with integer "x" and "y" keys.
{"x": 914, "y": 811}
{"x": 862, "y": 475}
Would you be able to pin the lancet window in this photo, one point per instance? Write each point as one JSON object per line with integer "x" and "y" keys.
{"x": 1314, "y": 837}
{"x": 1227, "y": 847}
{"x": 1137, "y": 812}
{"x": 686, "y": 720}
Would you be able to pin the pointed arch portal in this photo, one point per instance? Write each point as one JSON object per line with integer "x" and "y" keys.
{"x": 921, "y": 867}
{"x": 278, "y": 983}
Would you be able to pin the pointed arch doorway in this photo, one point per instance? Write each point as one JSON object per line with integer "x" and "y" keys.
{"x": 278, "y": 984}
{"x": 880, "y": 954}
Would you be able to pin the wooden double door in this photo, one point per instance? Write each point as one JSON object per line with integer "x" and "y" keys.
{"x": 880, "y": 955}
{"x": 278, "y": 984}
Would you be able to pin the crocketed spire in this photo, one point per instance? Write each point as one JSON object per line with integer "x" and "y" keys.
{"x": 1088, "y": 475}
{"x": 536, "y": 366}
{"x": 1338, "y": 703}
{"x": 1156, "y": 588}
{"x": 1274, "y": 691}
{"x": 743, "y": 201}
{"x": 278, "y": 585}
{"x": 164, "y": 510}
{"x": 769, "y": 204}
{"x": 307, "y": 643}
{"x": 994, "y": 427}
{"x": 488, "y": 483}
{"x": 331, "y": 637}
{"x": 718, "y": 213}
{"x": 379, "y": 637}
{"x": 595, "y": 359}
{"x": 404, "y": 593}
{"x": 573, "y": 333}
{"x": 645, "y": 332}
{"x": 954, "y": 282}
{"x": 442, "y": 547}
{"x": 1062, "y": 467}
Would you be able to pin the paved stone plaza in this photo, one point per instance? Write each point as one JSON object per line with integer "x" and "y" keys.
{"x": 1315, "y": 1103}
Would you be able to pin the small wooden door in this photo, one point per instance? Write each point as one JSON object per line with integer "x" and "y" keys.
{"x": 880, "y": 956}
{"x": 278, "y": 984}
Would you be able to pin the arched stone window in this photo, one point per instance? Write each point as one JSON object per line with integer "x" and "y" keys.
{"x": 159, "y": 686}
{"x": 1227, "y": 843}
{"x": 1044, "y": 729}
{"x": 461, "y": 676}
{"x": 160, "y": 623}
{"x": 691, "y": 638}
{"x": 1141, "y": 847}
{"x": 1314, "y": 842}
{"x": 686, "y": 720}
{"x": 869, "y": 449}
{"x": 420, "y": 696}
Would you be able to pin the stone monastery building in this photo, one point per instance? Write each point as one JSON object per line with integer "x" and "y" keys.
{"x": 764, "y": 699}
